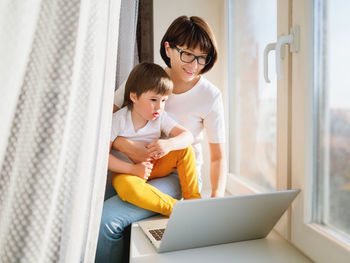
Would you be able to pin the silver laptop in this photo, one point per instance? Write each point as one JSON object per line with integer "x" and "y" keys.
{"x": 213, "y": 221}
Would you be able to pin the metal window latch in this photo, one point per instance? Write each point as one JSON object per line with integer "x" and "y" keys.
{"x": 292, "y": 39}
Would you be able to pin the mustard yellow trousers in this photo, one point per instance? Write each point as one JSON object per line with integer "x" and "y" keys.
{"x": 137, "y": 191}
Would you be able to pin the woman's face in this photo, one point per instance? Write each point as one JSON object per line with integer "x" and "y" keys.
{"x": 183, "y": 70}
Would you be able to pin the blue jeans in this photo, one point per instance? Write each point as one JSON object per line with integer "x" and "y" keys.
{"x": 118, "y": 215}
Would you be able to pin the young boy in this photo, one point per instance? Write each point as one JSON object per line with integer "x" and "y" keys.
{"x": 143, "y": 118}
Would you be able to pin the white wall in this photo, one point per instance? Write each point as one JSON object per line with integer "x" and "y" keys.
{"x": 213, "y": 12}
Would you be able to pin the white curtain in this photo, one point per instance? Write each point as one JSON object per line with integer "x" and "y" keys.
{"x": 57, "y": 77}
{"x": 127, "y": 56}
{"x": 127, "y": 45}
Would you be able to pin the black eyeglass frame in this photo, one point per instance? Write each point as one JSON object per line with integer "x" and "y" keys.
{"x": 207, "y": 58}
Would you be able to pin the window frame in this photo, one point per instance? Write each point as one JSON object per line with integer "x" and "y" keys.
{"x": 295, "y": 144}
{"x": 318, "y": 242}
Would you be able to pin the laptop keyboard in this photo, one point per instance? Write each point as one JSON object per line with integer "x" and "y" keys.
{"x": 157, "y": 233}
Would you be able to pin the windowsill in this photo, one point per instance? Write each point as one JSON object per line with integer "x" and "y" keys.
{"x": 271, "y": 249}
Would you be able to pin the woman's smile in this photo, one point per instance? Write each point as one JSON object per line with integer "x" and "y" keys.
{"x": 189, "y": 73}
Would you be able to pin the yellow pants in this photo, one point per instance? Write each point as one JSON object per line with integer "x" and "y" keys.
{"x": 137, "y": 191}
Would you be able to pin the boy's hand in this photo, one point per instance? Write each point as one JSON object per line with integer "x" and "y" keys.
{"x": 158, "y": 148}
{"x": 142, "y": 170}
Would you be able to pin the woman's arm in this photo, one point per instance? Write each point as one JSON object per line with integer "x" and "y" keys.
{"x": 218, "y": 173}
{"x": 181, "y": 138}
{"x": 116, "y": 165}
{"x": 115, "y": 108}
{"x": 135, "y": 150}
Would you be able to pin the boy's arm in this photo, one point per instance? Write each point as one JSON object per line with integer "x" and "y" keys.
{"x": 116, "y": 165}
{"x": 181, "y": 138}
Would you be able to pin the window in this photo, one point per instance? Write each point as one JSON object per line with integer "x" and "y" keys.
{"x": 332, "y": 117}
{"x": 297, "y": 127}
{"x": 319, "y": 158}
{"x": 253, "y": 107}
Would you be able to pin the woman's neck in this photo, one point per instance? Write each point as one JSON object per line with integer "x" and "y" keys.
{"x": 181, "y": 86}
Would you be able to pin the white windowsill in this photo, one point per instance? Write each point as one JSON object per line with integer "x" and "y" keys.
{"x": 270, "y": 250}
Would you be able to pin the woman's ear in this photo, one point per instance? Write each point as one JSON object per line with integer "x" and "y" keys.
{"x": 167, "y": 47}
{"x": 133, "y": 96}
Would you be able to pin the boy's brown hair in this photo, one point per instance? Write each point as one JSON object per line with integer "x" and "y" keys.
{"x": 147, "y": 77}
{"x": 190, "y": 32}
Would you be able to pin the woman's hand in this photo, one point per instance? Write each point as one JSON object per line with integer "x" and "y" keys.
{"x": 217, "y": 169}
{"x": 135, "y": 150}
{"x": 159, "y": 148}
{"x": 142, "y": 170}
{"x": 218, "y": 193}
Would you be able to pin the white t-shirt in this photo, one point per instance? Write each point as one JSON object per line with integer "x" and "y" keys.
{"x": 122, "y": 125}
{"x": 197, "y": 109}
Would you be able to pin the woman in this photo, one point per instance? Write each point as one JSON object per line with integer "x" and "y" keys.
{"x": 188, "y": 48}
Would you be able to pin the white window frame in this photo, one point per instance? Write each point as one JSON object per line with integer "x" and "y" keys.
{"x": 318, "y": 242}
{"x": 295, "y": 141}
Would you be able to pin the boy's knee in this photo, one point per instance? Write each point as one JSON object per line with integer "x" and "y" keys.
{"x": 127, "y": 187}
{"x": 186, "y": 152}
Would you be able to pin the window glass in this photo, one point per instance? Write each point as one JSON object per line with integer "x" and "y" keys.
{"x": 253, "y": 25}
{"x": 332, "y": 118}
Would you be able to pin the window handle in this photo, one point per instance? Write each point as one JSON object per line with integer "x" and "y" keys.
{"x": 268, "y": 48}
{"x": 293, "y": 40}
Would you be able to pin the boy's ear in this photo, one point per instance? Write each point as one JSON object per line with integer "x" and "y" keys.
{"x": 133, "y": 96}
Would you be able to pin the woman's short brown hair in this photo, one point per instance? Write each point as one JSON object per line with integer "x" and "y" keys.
{"x": 146, "y": 77}
{"x": 190, "y": 32}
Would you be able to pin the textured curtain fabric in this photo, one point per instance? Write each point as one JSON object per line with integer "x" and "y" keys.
{"x": 127, "y": 56}
{"x": 57, "y": 77}
{"x": 127, "y": 49}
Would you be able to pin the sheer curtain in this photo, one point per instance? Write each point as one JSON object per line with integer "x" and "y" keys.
{"x": 127, "y": 46}
{"x": 57, "y": 78}
{"x": 127, "y": 56}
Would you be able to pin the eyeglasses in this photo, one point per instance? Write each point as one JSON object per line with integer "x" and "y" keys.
{"x": 188, "y": 57}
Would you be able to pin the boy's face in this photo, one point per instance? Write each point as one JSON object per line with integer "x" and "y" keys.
{"x": 149, "y": 105}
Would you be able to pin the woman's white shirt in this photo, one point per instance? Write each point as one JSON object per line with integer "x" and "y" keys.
{"x": 198, "y": 109}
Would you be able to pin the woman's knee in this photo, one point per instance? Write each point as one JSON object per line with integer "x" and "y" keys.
{"x": 111, "y": 226}
{"x": 111, "y": 235}
{"x": 116, "y": 216}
